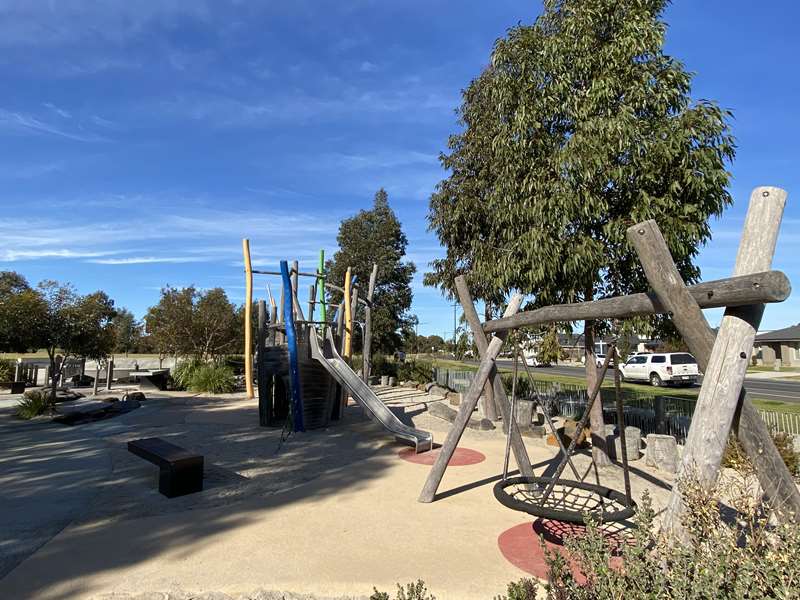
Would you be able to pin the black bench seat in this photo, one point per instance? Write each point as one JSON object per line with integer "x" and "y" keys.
{"x": 181, "y": 471}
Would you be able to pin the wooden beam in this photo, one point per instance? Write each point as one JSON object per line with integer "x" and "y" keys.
{"x": 500, "y": 396}
{"x": 348, "y": 313}
{"x": 366, "y": 363}
{"x": 468, "y": 403}
{"x": 248, "y": 319}
{"x": 663, "y": 276}
{"x": 741, "y": 290}
{"x": 722, "y": 382}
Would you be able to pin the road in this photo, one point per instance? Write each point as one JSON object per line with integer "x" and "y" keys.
{"x": 766, "y": 389}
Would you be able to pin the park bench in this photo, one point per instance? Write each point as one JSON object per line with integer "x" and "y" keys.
{"x": 16, "y": 387}
{"x": 181, "y": 471}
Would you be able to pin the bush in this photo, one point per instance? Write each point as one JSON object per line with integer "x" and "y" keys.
{"x": 383, "y": 366}
{"x": 736, "y": 558}
{"x": 214, "y": 378}
{"x": 524, "y": 589}
{"x": 412, "y": 591}
{"x": 6, "y": 370}
{"x": 735, "y": 456}
{"x": 33, "y": 404}
{"x": 182, "y": 374}
{"x": 415, "y": 370}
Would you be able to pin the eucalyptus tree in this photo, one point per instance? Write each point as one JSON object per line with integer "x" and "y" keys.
{"x": 580, "y": 126}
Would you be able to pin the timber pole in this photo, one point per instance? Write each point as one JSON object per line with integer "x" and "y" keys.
{"x": 348, "y": 312}
{"x": 775, "y": 479}
{"x": 501, "y": 399}
{"x": 367, "y": 346}
{"x": 468, "y": 404}
{"x": 722, "y": 382}
{"x": 248, "y": 317}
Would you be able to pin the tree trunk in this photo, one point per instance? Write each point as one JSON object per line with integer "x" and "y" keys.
{"x": 489, "y": 406}
{"x": 599, "y": 450}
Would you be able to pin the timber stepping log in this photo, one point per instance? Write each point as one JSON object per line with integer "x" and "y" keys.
{"x": 181, "y": 471}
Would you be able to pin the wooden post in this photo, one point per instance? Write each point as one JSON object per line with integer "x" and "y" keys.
{"x": 248, "y": 319}
{"x": 774, "y": 477}
{"x": 323, "y": 311}
{"x": 501, "y": 399}
{"x": 295, "y": 281}
{"x": 353, "y": 320}
{"x": 281, "y": 312}
{"x": 722, "y": 383}
{"x": 367, "y": 346}
{"x": 109, "y": 373}
{"x": 18, "y": 370}
{"x": 348, "y": 314}
{"x": 489, "y": 399}
{"x": 468, "y": 403}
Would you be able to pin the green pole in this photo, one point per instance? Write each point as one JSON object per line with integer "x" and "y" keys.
{"x": 321, "y": 285}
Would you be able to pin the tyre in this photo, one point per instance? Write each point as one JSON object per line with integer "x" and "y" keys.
{"x": 655, "y": 380}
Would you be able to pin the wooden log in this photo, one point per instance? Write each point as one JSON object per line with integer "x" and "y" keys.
{"x": 321, "y": 286}
{"x": 109, "y": 373}
{"x": 468, "y": 403}
{"x": 353, "y": 322}
{"x": 312, "y": 292}
{"x": 775, "y": 479}
{"x": 295, "y": 274}
{"x": 273, "y": 322}
{"x": 248, "y": 319}
{"x": 489, "y": 400}
{"x": 366, "y": 367}
{"x": 348, "y": 312}
{"x": 722, "y": 383}
{"x": 740, "y": 290}
{"x": 501, "y": 398}
{"x": 261, "y": 378}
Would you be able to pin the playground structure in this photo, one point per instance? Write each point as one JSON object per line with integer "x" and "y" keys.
{"x": 303, "y": 365}
{"x": 722, "y": 405}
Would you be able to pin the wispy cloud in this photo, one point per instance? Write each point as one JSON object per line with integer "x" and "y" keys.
{"x": 30, "y": 171}
{"x": 367, "y": 67}
{"x": 20, "y": 123}
{"x": 16, "y": 255}
{"x": 145, "y": 260}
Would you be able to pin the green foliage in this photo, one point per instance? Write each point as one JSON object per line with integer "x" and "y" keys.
{"x": 376, "y": 237}
{"x": 214, "y": 378}
{"x": 743, "y": 558}
{"x": 23, "y": 314}
{"x": 412, "y": 591}
{"x": 203, "y": 324}
{"x": 524, "y": 589}
{"x": 182, "y": 374}
{"x": 415, "y": 370}
{"x": 6, "y": 370}
{"x": 33, "y": 404}
{"x": 383, "y": 366}
{"x": 580, "y": 126}
{"x": 127, "y": 331}
{"x": 549, "y": 348}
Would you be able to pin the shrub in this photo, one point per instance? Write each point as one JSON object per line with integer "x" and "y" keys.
{"x": 214, "y": 378}
{"x": 33, "y": 404}
{"x": 412, "y": 591}
{"x": 6, "y": 370}
{"x": 736, "y": 558}
{"x": 383, "y": 366}
{"x": 182, "y": 374}
{"x": 524, "y": 589}
{"x": 415, "y": 370}
{"x": 735, "y": 456}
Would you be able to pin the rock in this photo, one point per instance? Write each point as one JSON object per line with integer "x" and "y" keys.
{"x": 483, "y": 425}
{"x": 138, "y": 396}
{"x": 392, "y": 381}
{"x": 633, "y": 443}
{"x": 410, "y": 384}
{"x": 384, "y": 380}
{"x": 524, "y": 414}
{"x": 662, "y": 452}
{"x": 428, "y": 386}
{"x": 442, "y": 411}
{"x": 454, "y": 398}
{"x": 438, "y": 391}
{"x": 82, "y": 380}
{"x": 570, "y": 427}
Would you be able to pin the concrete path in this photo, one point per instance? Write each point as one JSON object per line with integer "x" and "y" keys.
{"x": 333, "y": 513}
{"x": 48, "y": 474}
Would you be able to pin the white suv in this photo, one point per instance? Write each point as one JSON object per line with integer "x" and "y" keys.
{"x": 674, "y": 367}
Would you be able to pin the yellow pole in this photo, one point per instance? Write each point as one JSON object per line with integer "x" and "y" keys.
{"x": 348, "y": 314}
{"x": 248, "y": 329}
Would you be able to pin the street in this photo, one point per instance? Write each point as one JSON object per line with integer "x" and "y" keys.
{"x": 767, "y": 389}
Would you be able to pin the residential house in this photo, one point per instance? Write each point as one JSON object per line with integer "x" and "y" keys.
{"x": 780, "y": 344}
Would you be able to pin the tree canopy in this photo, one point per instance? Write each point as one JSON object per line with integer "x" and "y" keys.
{"x": 22, "y": 314}
{"x": 376, "y": 237}
{"x": 580, "y": 127}
{"x": 186, "y": 321}
{"x": 127, "y": 331}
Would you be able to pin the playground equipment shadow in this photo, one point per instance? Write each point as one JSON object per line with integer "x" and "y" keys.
{"x": 333, "y": 512}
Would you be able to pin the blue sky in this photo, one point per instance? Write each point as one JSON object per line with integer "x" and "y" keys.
{"x": 140, "y": 141}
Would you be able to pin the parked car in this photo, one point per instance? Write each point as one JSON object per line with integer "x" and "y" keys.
{"x": 599, "y": 359}
{"x": 678, "y": 368}
{"x": 532, "y": 361}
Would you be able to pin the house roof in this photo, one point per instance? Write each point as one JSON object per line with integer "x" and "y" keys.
{"x": 787, "y": 334}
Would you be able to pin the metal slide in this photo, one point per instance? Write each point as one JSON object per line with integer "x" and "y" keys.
{"x": 339, "y": 370}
